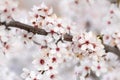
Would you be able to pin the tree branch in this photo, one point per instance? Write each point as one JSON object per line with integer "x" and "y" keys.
{"x": 67, "y": 37}
{"x": 23, "y": 26}
{"x": 112, "y": 49}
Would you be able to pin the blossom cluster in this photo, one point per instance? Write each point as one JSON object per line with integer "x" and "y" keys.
{"x": 112, "y": 38}
{"x": 39, "y": 13}
{"x": 84, "y": 57}
{"x": 7, "y": 9}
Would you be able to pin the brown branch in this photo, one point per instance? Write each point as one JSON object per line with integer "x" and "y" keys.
{"x": 117, "y": 2}
{"x": 66, "y": 37}
{"x": 112, "y": 49}
{"x": 23, "y": 26}
{"x": 29, "y": 28}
